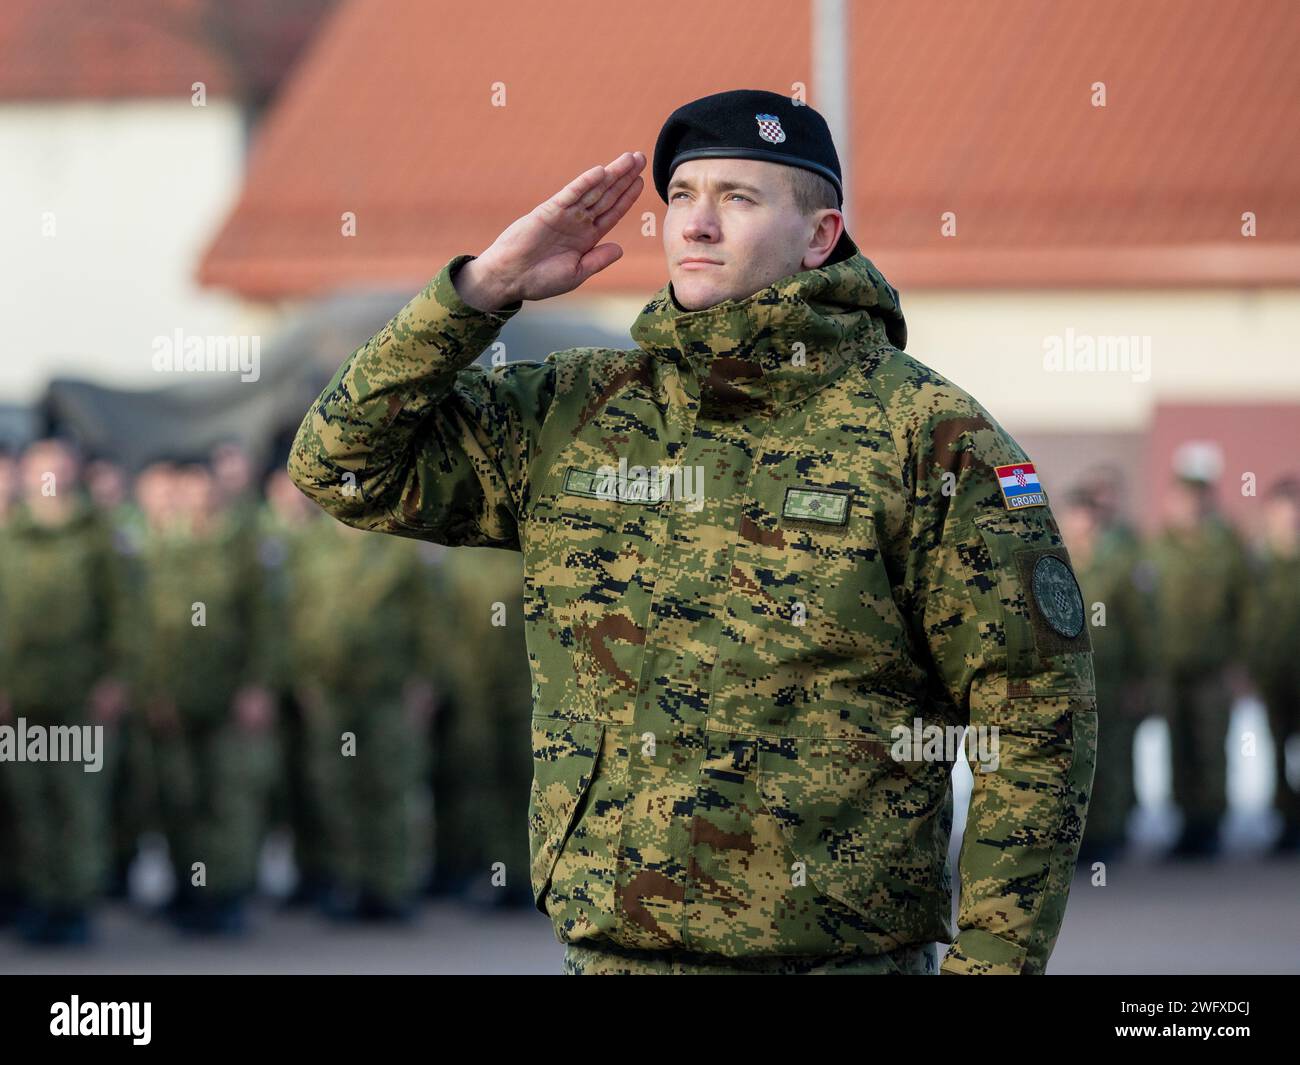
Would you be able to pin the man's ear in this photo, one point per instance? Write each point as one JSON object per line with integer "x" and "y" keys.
{"x": 830, "y": 224}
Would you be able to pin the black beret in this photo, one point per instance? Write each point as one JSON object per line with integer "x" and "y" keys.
{"x": 747, "y": 124}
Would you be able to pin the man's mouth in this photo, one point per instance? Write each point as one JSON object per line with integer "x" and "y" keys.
{"x": 692, "y": 264}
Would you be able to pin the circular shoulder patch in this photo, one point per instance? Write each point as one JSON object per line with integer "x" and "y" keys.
{"x": 1058, "y": 597}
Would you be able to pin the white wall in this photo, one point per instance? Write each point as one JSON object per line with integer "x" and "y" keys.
{"x": 1205, "y": 346}
{"x": 136, "y": 189}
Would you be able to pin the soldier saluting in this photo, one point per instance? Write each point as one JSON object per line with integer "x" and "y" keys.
{"x": 720, "y": 686}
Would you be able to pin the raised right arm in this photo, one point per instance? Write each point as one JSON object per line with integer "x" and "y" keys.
{"x": 409, "y": 438}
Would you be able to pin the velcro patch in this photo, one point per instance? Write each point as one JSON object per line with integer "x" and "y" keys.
{"x": 1056, "y": 611}
{"x": 1020, "y": 487}
{"x": 816, "y": 504}
{"x": 594, "y": 485}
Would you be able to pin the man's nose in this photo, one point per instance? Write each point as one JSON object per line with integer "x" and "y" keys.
{"x": 701, "y": 224}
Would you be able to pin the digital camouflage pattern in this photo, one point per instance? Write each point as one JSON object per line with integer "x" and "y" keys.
{"x": 715, "y": 686}
{"x": 910, "y": 960}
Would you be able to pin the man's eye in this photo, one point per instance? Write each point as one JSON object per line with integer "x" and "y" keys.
{"x": 735, "y": 195}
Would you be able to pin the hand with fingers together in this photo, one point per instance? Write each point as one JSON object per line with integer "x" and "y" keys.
{"x": 555, "y": 247}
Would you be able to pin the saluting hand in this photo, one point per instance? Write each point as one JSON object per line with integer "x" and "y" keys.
{"x": 555, "y": 247}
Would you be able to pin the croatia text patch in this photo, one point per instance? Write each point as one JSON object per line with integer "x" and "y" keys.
{"x": 1020, "y": 487}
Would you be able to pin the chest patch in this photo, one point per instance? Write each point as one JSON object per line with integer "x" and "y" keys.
{"x": 594, "y": 484}
{"x": 816, "y": 504}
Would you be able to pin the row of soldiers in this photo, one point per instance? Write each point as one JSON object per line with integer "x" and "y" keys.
{"x": 251, "y": 663}
{"x": 254, "y": 663}
{"x": 1183, "y": 624}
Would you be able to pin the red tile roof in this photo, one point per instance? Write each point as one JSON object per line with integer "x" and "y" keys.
{"x": 95, "y": 50}
{"x": 985, "y": 110}
{"x": 980, "y": 109}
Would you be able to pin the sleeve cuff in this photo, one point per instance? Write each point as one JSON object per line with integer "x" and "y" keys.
{"x": 979, "y": 953}
{"x": 450, "y": 298}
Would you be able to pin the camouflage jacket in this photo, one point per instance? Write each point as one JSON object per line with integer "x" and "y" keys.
{"x": 1123, "y": 638}
{"x": 359, "y": 612}
{"x": 63, "y": 622}
{"x": 198, "y": 635}
{"x": 722, "y": 678}
{"x": 1272, "y": 617}
{"x": 1203, "y": 580}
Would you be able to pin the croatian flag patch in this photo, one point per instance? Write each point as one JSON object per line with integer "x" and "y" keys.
{"x": 1020, "y": 487}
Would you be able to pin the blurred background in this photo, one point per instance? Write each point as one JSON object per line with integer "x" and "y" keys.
{"x": 1092, "y": 212}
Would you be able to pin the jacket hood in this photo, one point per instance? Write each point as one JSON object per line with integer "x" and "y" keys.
{"x": 784, "y": 341}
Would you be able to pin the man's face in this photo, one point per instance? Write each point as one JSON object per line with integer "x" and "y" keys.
{"x": 1186, "y": 504}
{"x": 196, "y": 491}
{"x": 286, "y": 498}
{"x": 739, "y": 214}
{"x": 1282, "y": 520}
{"x": 232, "y": 469}
{"x": 107, "y": 484}
{"x": 1078, "y": 527}
{"x": 48, "y": 462}
{"x": 155, "y": 491}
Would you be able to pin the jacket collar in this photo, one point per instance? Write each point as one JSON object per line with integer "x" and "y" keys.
{"x": 781, "y": 344}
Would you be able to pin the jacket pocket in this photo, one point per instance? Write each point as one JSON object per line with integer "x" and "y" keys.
{"x": 565, "y": 754}
{"x": 865, "y": 830}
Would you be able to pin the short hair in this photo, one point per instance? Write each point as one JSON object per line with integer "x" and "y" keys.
{"x": 810, "y": 191}
{"x": 1287, "y": 488}
{"x": 1081, "y": 495}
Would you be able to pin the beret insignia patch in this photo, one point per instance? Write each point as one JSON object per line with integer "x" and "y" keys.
{"x": 769, "y": 128}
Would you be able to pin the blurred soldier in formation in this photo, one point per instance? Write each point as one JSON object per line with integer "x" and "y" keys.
{"x": 232, "y": 472}
{"x": 61, "y": 625}
{"x": 1273, "y": 643}
{"x": 285, "y": 519}
{"x": 1201, "y": 586}
{"x": 1106, "y": 564}
{"x": 358, "y": 653}
{"x": 202, "y": 677}
{"x": 130, "y": 776}
{"x": 1104, "y": 487}
{"x": 484, "y": 770}
{"x": 8, "y": 839}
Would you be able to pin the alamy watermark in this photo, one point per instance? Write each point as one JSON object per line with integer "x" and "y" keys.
{"x": 651, "y": 484}
{"x": 1090, "y": 353}
{"x": 74, "y": 1017}
{"x": 943, "y": 743}
{"x": 53, "y": 743}
{"x": 208, "y": 353}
